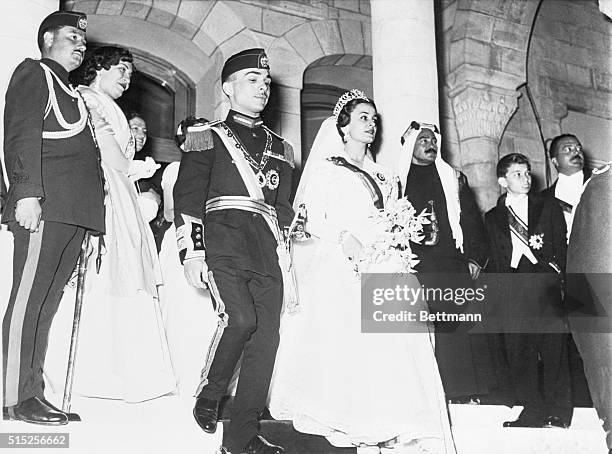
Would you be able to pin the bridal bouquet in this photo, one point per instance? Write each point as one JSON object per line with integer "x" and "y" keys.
{"x": 399, "y": 224}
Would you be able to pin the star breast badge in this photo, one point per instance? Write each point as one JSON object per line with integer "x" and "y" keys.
{"x": 536, "y": 241}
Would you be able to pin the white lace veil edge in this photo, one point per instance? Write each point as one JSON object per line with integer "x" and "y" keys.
{"x": 327, "y": 143}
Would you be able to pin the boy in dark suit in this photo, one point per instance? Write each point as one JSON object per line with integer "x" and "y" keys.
{"x": 527, "y": 240}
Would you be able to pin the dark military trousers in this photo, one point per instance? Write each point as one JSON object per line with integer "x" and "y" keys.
{"x": 253, "y": 305}
{"x": 42, "y": 264}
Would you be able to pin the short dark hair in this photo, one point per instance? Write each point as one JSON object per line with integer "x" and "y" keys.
{"x": 101, "y": 58}
{"x": 513, "y": 158}
{"x": 344, "y": 116}
{"x": 553, "y": 150}
{"x": 133, "y": 114}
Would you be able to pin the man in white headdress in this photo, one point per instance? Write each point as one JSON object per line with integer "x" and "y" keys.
{"x": 453, "y": 250}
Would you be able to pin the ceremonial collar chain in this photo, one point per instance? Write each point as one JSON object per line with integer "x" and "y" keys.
{"x": 257, "y": 166}
{"x": 247, "y": 121}
{"x": 346, "y": 98}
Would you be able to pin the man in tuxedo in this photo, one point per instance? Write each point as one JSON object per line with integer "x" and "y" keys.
{"x": 567, "y": 155}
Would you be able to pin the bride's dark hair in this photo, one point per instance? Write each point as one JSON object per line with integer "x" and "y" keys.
{"x": 344, "y": 116}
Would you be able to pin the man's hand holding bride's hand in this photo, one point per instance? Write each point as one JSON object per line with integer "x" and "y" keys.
{"x": 196, "y": 272}
{"x": 351, "y": 246}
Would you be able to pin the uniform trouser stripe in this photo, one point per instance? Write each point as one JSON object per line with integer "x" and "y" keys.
{"x": 18, "y": 316}
{"x": 221, "y": 324}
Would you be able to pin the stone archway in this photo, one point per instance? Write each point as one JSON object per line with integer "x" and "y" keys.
{"x": 322, "y": 42}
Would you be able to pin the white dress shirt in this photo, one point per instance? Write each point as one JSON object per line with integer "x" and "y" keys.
{"x": 569, "y": 189}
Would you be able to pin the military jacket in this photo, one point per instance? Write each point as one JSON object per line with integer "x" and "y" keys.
{"x": 64, "y": 173}
{"x": 237, "y": 237}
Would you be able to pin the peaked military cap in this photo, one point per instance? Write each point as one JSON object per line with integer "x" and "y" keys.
{"x": 62, "y": 19}
{"x": 249, "y": 58}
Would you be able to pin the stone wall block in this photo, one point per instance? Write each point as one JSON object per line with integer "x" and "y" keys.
{"x": 456, "y": 56}
{"x": 552, "y": 68}
{"x": 514, "y": 61}
{"x": 477, "y": 52}
{"x": 184, "y": 28}
{"x": 237, "y": 43}
{"x": 328, "y": 34}
{"x": 364, "y": 7}
{"x": 170, "y": 6}
{"x": 110, "y": 7}
{"x": 204, "y": 42}
{"x": 138, "y": 10}
{"x": 449, "y": 14}
{"x": 160, "y": 17}
{"x": 367, "y": 37}
{"x": 602, "y": 80}
{"x": 305, "y": 42}
{"x": 578, "y": 75}
{"x": 290, "y": 72}
{"x": 475, "y": 26}
{"x": 221, "y": 23}
{"x": 514, "y": 36}
{"x": 585, "y": 37}
{"x": 350, "y": 15}
{"x": 88, "y": 7}
{"x": 195, "y": 12}
{"x": 289, "y": 98}
{"x": 490, "y": 7}
{"x": 352, "y": 36}
{"x": 250, "y": 15}
{"x": 351, "y": 5}
{"x": 277, "y": 24}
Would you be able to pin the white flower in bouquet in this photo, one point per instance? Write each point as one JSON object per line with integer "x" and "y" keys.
{"x": 399, "y": 224}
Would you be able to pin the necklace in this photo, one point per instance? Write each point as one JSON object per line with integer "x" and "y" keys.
{"x": 256, "y": 166}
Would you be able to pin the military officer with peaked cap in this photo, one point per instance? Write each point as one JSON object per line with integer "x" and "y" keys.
{"x": 231, "y": 205}
{"x": 55, "y": 194}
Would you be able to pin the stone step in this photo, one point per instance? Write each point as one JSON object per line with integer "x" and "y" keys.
{"x": 166, "y": 426}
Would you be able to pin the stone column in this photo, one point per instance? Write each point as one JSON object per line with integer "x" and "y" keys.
{"x": 19, "y": 23}
{"x": 481, "y": 115}
{"x": 405, "y": 75}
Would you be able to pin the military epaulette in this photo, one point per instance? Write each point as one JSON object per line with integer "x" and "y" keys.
{"x": 603, "y": 169}
{"x": 288, "y": 155}
{"x": 199, "y": 137}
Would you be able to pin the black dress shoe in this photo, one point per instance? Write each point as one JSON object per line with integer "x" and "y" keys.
{"x": 524, "y": 422}
{"x": 35, "y": 411}
{"x": 72, "y": 417}
{"x": 206, "y": 414}
{"x": 259, "y": 445}
{"x": 555, "y": 421}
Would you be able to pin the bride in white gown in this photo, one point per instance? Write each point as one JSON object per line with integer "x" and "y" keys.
{"x": 356, "y": 389}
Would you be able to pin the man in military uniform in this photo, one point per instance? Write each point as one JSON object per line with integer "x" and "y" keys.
{"x": 231, "y": 204}
{"x": 55, "y": 194}
{"x": 451, "y": 255}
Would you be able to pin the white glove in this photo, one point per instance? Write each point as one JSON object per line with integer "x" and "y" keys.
{"x": 142, "y": 169}
{"x": 149, "y": 204}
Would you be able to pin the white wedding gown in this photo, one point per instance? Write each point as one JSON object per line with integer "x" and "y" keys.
{"x": 330, "y": 379}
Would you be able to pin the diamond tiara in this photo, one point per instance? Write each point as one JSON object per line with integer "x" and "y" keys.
{"x": 346, "y": 98}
